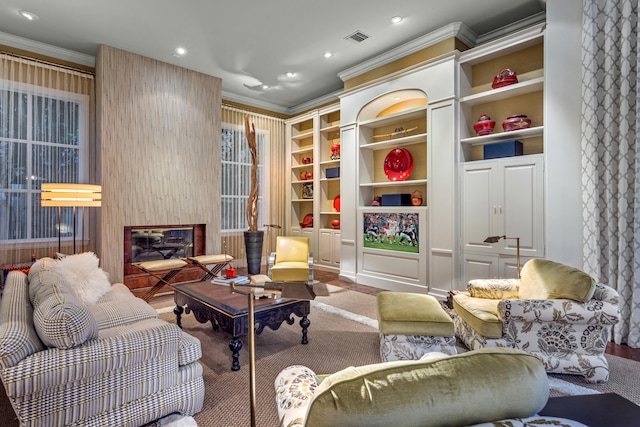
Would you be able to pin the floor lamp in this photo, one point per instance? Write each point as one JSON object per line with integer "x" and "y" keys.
{"x": 293, "y": 290}
{"x": 74, "y": 195}
{"x": 496, "y": 239}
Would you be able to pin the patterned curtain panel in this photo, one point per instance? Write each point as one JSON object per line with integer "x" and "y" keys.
{"x": 610, "y": 155}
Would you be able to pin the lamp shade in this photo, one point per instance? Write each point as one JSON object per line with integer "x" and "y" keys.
{"x": 64, "y": 194}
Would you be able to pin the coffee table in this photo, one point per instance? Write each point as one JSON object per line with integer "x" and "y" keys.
{"x": 595, "y": 410}
{"x": 228, "y": 312}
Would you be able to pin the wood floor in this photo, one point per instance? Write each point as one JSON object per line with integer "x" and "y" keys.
{"x": 332, "y": 279}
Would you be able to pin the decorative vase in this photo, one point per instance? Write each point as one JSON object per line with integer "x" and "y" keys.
{"x": 335, "y": 151}
{"x": 505, "y": 77}
{"x": 253, "y": 247}
{"x": 416, "y": 198}
{"x": 335, "y": 224}
{"x": 516, "y": 122}
{"x": 484, "y": 125}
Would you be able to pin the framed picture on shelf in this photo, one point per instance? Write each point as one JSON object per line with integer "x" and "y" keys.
{"x": 391, "y": 231}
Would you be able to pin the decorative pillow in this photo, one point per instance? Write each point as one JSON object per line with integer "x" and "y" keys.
{"x": 493, "y": 383}
{"x": 493, "y": 288}
{"x": 60, "y": 319}
{"x": 81, "y": 271}
{"x": 545, "y": 279}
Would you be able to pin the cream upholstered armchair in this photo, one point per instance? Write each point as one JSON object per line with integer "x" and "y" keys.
{"x": 292, "y": 261}
{"x": 556, "y": 312}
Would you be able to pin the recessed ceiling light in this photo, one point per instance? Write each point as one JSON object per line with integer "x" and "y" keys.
{"x": 328, "y": 54}
{"x": 28, "y": 15}
{"x": 396, "y": 19}
{"x": 290, "y": 74}
{"x": 179, "y": 52}
{"x": 265, "y": 86}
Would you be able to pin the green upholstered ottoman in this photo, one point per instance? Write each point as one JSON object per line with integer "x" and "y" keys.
{"x": 411, "y": 325}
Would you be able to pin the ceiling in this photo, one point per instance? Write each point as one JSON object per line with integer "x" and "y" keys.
{"x": 251, "y": 43}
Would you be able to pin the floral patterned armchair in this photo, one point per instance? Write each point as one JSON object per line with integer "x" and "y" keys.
{"x": 555, "y": 312}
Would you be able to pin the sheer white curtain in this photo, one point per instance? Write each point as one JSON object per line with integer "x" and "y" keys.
{"x": 272, "y": 132}
{"x": 45, "y": 136}
{"x": 611, "y": 159}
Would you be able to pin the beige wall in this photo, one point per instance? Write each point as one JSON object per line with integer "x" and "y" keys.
{"x": 158, "y": 137}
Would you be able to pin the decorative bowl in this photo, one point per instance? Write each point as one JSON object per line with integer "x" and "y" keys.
{"x": 516, "y": 122}
{"x": 484, "y": 125}
{"x": 336, "y": 203}
{"x": 398, "y": 164}
{"x": 505, "y": 77}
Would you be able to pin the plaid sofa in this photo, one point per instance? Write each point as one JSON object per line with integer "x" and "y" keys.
{"x": 112, "y": 363}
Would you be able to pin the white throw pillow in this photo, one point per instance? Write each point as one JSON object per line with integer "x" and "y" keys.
{"x": 81, "y": 271}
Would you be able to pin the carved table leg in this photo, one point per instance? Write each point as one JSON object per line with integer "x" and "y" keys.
{"x": 178, "y": 312}
{"x": 304, "y": 322}
{"x": 235, "y": 345}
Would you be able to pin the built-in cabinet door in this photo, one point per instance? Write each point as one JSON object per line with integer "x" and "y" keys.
{"x": 325, "y": 254}
{"x": 504, "y": 197}
{"x": 483, "y": 266}
{"x": 478, "y": 266}
{"x": 336, "y": 243}
{"x": 329, "y": 247}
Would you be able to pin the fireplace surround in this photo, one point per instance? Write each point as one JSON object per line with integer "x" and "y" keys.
{"x": 152, "y": 242}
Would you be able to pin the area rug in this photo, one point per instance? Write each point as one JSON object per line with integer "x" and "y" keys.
{"x": 343, "y": 333}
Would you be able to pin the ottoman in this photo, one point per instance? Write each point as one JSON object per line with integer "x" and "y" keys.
{"x": 411, "y": 325}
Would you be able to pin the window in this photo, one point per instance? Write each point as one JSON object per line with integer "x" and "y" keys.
{"x": 236, "y": 176}
{"x": 43, "y": 138}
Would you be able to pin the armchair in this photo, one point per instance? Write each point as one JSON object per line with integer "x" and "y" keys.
{"x": 555, "y": 312}
{"x": 292, "y": 261}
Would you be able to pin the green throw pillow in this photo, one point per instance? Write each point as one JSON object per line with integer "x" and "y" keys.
{"x": 469, "y": 388}
{"x": 545, "y": 279}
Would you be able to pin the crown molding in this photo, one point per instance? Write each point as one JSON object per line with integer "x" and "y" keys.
{"x": 458, "y": 30}
{"x": 47, "y": 50}
{"x": 514, "y": 27}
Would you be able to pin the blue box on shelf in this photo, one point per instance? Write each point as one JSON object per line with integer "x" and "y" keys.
{"x": 503, "y": 149}
{"x": 332, "y": 172}
{"x": 396, "y": 200}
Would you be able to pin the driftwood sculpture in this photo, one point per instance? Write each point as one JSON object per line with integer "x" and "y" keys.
{"x": 252, "y": 203}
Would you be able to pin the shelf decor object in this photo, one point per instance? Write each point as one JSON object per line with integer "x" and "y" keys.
{"x": 336, "y": 203}
{"x": 496, "y": 239}
{"x": 335, "y": 151}
{"x": 484, "y": 125}
{"x": 503, "y": 149}
{"x": 396, "y": 132}
{"x": 516, "y": 122}
{"x": 75, "y": 195}
{"x": 307, "y": 221}
{"x": 416, "y": 198}
{"x": 398, "y": 164}
{"x": 505, "y": 77}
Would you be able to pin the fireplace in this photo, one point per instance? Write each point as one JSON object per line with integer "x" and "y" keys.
{"x": 156, "y": 242}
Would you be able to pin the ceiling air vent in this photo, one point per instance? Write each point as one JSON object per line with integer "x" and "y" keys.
{"x": 357, "y": 37}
